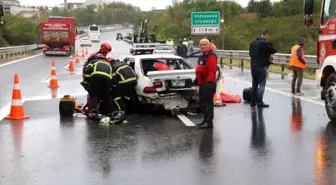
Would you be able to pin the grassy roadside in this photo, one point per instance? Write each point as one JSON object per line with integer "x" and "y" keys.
{"x": 309, "y": 73}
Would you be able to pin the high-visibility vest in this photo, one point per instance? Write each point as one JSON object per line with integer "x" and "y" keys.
{"x": 212, "y": 47}
{"x": 171, "y": 42}
{"x": 185, "y": 43}
{"x": 294, "y": 58}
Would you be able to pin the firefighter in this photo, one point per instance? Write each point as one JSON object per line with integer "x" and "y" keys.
{"x": 85, "y": 76}
{"x": 105, "y": 48}
{"x": 100, "y": 78}
{"x": 124, "y": 82}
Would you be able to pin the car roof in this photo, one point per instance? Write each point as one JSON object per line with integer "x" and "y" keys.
{"x": 155, "y": 56}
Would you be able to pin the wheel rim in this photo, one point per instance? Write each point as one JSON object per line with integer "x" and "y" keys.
{"x": 330, "y": 97}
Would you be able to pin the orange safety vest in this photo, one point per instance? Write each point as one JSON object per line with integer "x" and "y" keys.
{"x": 294, "y": 58}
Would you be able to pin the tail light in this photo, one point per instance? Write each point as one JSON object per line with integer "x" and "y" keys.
{"x": 154, "y": 52}
{"x": 138, "y": 52}
{"x": 172, "y": 52}
{"x": 66, "y": 47}
{"x": 45, "y": 47}
{"x": 152, "y": 89}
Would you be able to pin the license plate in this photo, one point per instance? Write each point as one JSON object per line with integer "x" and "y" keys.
{"x": 177, "y": 83}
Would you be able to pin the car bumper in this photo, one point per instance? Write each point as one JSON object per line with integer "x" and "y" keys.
{"x": 169, "y": 103}
{"x": 56, "y": 52}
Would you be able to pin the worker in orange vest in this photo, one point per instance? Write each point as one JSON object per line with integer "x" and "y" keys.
{"x": 298, "y": 62}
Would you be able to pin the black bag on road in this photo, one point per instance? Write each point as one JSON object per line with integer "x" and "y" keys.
{"x": 247, "y": 92}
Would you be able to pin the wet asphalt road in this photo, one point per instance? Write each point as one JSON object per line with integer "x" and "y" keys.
{"x": 291, "y": 143}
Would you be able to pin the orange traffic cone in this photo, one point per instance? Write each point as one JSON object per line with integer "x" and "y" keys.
{"x": 216, "y": 98}
{"x": 83, "y": 53}
{"x": 86, "y": 51}
{"x": 71, "y": 66}
{"x": 53, "y": 83}
{"x": 77, "y": 54}
{"x": 16, "y": 112}
{"x": 77, "y": 60}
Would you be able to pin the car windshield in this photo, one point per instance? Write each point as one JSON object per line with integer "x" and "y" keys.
{"x": 174, "y": 64}
{"x": 164, "y": 47}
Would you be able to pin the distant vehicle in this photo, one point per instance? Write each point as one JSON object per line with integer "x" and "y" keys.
{"x": 58, "y": 35}
{"x": 164, "y": 49}
{"x": 85, "y": 41}
{"x": 119, "y": 36}
{"x": 326, "y": 55}
{"x": 173, "y": 90}
{"x": 143, "y": 48}
{"x": 94, "y": 33}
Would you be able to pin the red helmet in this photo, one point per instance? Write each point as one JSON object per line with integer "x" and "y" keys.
{"x": 105, "y": 48}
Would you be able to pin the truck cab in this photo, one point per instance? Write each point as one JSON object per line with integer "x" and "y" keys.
{"x": 326, "y": 52}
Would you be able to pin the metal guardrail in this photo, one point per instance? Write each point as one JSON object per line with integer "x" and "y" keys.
{"x": 9, "y": 52}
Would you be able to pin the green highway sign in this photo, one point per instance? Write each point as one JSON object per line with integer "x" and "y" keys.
{"x": 205, "y": 19}
{"x": 205, "y": 23}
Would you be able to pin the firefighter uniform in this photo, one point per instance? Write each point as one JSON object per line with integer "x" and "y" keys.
{"x": 100, "y": 75}
{"x": 91, "y": 60}
{"x": 125, "y": 81}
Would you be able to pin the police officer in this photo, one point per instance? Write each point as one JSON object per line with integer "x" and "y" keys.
{"x": 124, "y": 82}
{"x": 100, "y": 75}
{"x": 206, "y": 79}
{"x": 185, "y": 42}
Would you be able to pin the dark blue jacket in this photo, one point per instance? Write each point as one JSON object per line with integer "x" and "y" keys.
{"x": 260, "y": 52}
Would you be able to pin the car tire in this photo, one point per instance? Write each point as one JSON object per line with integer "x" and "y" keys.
{"x": 329, "y": 94}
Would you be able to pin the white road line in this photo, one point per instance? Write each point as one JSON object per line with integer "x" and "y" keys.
{"x": 4, "y": 111}
{"x": 316, "y": 102}
{"x": 46, "y": 79}
{"x": 20, "y": 60}
{"x": 185, "y": 120}
{"x": 66, "y": 66}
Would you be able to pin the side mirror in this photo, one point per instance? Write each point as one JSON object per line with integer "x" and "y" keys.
{"x": 308, "y": 20}
{"x": 308, "y": 7}
{"x": 2, "y": 11}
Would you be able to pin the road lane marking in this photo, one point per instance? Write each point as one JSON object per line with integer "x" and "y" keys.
{"x": 20, "y": 60}
{"x": 4, "y": 111}
{"x": 66, "y": 66}
{"x": 316, "y": 102}
{"x": 185, "y": 120}
{"x": 46, "y": 79}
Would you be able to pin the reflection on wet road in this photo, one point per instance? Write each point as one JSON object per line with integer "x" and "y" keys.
{"x": 290, "y": 143}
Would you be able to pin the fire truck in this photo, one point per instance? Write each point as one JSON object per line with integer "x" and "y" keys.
{"x": 326, "y": 52}
{"x": 58, "y": 36}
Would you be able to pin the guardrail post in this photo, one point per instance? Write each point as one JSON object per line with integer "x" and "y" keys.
{"x": 230, "y": 60}
{"x": 222, "y": 62}
{"x": 242, "y": 65}
{"x": 282, "y": 71}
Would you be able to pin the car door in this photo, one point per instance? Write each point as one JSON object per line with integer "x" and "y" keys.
{"x": 193, "y": 59}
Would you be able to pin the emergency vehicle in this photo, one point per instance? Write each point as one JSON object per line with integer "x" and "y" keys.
{"x": 326, "y": 52}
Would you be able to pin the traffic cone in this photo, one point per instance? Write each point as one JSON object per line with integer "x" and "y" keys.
{"x": 77, "y": 60}
{"x": 216, "y": 98}
{"x": 53, "y": 83}
{"x": 86, "y": 51}
{"x": 16, "y": 112}
{"x": 83, "y": 53}
{"x": 77, "y": 54}
{"x": 71, "y": 66}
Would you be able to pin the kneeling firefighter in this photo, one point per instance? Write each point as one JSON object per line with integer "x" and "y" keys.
{"x": 86, "y": 77}
{"x": 124, "y": 82}
{"x": 100, "y": 78}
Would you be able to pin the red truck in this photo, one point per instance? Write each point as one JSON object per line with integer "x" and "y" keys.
{"x": 58, "y": 36}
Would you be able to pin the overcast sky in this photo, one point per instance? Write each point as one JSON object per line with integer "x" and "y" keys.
{"x": 143, "y": 4}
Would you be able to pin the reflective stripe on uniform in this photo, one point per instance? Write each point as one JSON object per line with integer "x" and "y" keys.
{"x": 123, "y": 80}
{"x": 95, "y": 72}
{"x": 116, "y": 102}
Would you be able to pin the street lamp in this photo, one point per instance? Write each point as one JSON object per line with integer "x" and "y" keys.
{"x": 222, "y": 24}
{"x": 222, "y": 20}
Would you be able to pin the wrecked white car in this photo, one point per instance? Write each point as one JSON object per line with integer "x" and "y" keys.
{"x": 172, "y": 89}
